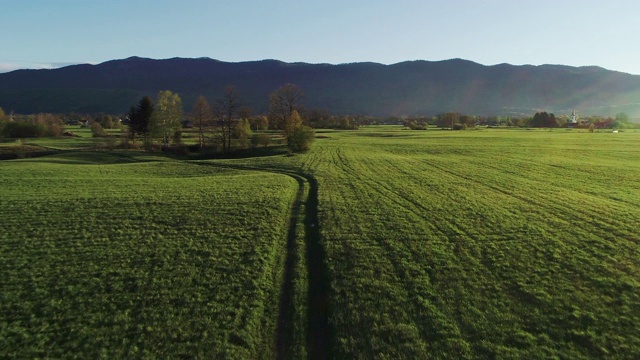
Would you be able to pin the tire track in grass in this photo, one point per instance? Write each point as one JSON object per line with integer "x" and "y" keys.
{"x": 318, "y": 332}
{"x": 563, "y": 209}
{"x": 397, "y": 251}
{"x": 453, "y": 231}
{"x": 286, "y": 307}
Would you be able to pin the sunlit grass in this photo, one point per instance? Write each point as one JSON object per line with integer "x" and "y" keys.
{"x": 492, "y": 243}
{"x": 112, "y": 256}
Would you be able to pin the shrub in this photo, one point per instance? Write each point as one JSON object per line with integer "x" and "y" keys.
{"x": 260, "y": 139}
{"x": 107, "y": 122}
{"x": 415, "y": 126}
{"x": 125, "y": 142}
{"x": 243, "y": 133}
{"x": 21, "y": 129}
{"x": 97, "y": 130}
{"x": 28, "y": 126}
{"x": 53, "y": 124}
{"x": 301, "y": 138}
{"x": 55, "y": 129}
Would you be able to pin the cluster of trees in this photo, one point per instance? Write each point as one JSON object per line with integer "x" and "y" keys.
{"x": 285, "y": 105}
{"x": 25, "y": 126}
{"x": 451, "y": 120}
{"x": 322, "y": 119}
{"x": 162, "y": 121}
{"x": 109, "y": 122}
{"x": 541, "y": 119}
{"x": 228, "y": 121}
{"x": 100, "y": 123}
{"x": 52, "y": 125}
{"x": 620, "y": 121}
{"x": 225, "y": 123}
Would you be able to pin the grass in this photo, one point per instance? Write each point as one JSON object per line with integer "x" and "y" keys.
{"x": 481, "y": 244}
{"x": 109, "y": 256}
{"x": 378, "y": 243}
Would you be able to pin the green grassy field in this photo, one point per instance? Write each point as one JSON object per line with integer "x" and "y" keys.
{"x": 113, "y": 256}
{"x": 378, "y": 243}
{"x": 490, "y": 244}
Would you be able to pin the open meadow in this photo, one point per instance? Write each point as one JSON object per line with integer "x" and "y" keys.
{"x": 378, "y": 243}
{"x": 135, "y": 256}
{"x": 481, "y": 244}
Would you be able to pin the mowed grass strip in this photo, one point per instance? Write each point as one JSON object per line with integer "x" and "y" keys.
{"x": 112, "y": 256}
{"x": 481, "y": 244}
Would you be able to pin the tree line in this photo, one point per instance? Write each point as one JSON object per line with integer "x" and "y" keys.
{"x": 26, "y": 126}
{"x": 224, "y": 123}
{"x": 541, "y": 119}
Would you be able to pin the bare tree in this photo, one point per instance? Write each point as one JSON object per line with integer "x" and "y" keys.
{"x": 201, "y": 116}
{"x": 282, "y": 102}
{"x": 450, "y": 119}
{"x": 226, "y": 111}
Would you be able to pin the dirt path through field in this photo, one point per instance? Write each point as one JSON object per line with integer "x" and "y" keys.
{"x": 318, "y": 330}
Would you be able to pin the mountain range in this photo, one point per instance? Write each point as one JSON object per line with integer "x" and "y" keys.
{"x": 406, "y": 88}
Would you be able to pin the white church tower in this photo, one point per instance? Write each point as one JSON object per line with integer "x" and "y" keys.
{"x": 574, "y": 118}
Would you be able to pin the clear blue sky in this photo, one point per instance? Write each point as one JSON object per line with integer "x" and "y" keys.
{"x": 53, "y": 33}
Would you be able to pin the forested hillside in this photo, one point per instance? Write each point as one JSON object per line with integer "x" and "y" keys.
{"x": 407, "y": 88}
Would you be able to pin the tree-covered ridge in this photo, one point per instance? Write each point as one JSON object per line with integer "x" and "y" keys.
{"x": 408, "y": 88}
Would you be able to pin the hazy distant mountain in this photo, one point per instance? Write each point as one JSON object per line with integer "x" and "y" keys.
{"x": 407, "y": 88}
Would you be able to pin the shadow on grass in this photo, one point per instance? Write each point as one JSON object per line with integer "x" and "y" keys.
{"x": 25, "y": 155}
{"x": 236, "y": 154}
{"x": 320, "y": 334}
{"x": 83, "y": 157}
{"x": 91, "y": 155}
